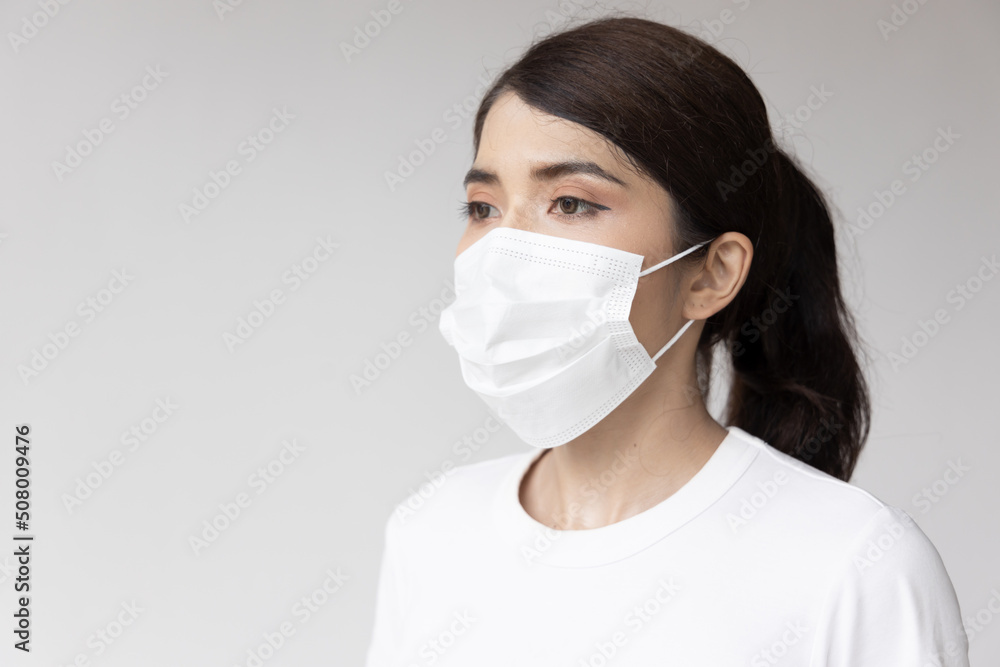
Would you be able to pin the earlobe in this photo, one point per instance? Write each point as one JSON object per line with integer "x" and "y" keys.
{"x": 723, "y": 273}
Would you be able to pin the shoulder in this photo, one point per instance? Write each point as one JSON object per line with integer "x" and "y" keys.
{"x": 873, "y": 558}
{"x": 836, "y": 525}
{"x": 780, "y": 496}
{"x": 890, "y": 598}
{"x": 787, "y": 480}
{"x": 460, "y": 496}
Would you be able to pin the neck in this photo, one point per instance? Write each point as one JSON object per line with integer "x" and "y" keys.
{"x": 634, "y": 458}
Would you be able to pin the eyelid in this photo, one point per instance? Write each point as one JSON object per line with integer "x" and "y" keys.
{"x": 469, "y": 205}
{"x": 591, "y": 208}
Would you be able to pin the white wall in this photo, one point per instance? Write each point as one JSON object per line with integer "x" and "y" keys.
{"x": 162, "y": 335}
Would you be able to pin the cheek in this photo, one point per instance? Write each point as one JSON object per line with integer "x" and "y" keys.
{"x": 651, "y": 310}
{"x": 469, "y": 237}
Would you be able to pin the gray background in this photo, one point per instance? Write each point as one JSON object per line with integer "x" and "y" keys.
{"x": 324, "y": 176}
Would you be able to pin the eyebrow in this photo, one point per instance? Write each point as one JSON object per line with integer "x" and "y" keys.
{"x": 546, "y": 173}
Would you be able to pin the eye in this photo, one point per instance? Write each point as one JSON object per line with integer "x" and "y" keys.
{"x": 574, "y": 206}
{"x": 476, "y": 210}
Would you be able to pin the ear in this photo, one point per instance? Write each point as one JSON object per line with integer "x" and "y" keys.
{"x": 722, "y": 274}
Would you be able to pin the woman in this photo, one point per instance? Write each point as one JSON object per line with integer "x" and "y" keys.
{"x": 628, "y": 213}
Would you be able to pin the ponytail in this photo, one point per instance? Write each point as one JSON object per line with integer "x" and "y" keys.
{"x": 797, "y": 383}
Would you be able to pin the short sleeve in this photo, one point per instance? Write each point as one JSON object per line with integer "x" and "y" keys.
{"x": 389, "y": 600}
{"x": 892, "y": 604}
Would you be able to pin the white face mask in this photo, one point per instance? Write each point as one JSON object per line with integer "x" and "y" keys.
{"x": 540, "y": 324}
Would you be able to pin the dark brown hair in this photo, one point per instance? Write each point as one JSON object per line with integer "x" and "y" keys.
{"x": 688, "y": 116}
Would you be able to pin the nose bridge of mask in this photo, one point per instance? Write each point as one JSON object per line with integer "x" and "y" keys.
{"x": 687, "y": 324}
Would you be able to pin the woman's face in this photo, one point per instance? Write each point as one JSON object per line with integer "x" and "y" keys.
{"x": 545, "y": 174}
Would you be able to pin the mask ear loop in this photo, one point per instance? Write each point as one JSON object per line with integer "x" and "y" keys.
{"x": 671, "y": 341}
{"x": 672, "y": 259}
{"x": 689, "y": 322}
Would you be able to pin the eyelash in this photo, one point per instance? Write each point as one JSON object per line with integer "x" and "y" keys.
{"x": 466, "y": 209}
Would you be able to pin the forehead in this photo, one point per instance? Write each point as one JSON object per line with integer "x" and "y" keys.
{"x": 514, "y": 129}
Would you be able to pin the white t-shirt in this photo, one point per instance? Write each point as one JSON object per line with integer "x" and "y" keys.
{"x": 758, "y": 560}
